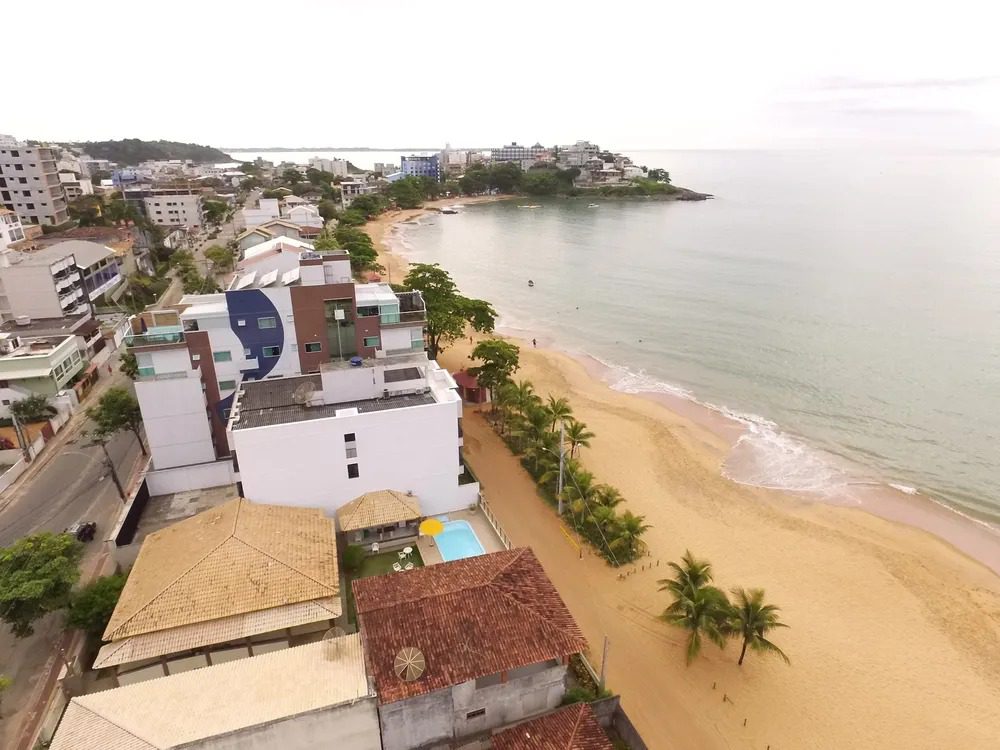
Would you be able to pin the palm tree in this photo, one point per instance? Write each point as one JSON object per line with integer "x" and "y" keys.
{"x": 703, "y": 612}
{"x": 626, "y": 538}
{"x": 692, "y": 574}
{"x": 531, "y": 427}
{"x": 523, "y": 396}
{"x": 581, "y": 492}
{"x": 609, "y": 496}
{"x": 541, "y": 449}
{"x": 751, "y": 619}
{"x": 558, "y": 410}
{"x": 578, "y": 436}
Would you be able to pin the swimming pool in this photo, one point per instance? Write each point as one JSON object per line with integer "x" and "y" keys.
{"x": 458, "y": 541}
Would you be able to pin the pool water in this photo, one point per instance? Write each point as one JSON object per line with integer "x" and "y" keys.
{"x": 458, "y": 541}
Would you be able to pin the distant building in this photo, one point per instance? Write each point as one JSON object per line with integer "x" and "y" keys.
{"x": 490, "y": 639}
{"x": 29, "y": 183}
{"x": 351, "y": 189}
{"x": 630, "y": 172}
{"x": 384, "y": 168}
{"x": 421, "y": 166}
{"x": 75, "y": 185}
{"x": 168, "y": 207}
{"x": 11, "y": 232}
{"x": 31, "y": 365}
{"x": 525, "y": 156}
{"x": 335, "y": 167}
{"x": 267, "y": 209}
{"x": 92, "y": 166}
{"x": 577, "y": 154}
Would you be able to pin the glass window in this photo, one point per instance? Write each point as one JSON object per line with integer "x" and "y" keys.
{"x": 146, "y": 372}
{"x": 371, "y": 341}
{"x": 267, "y": 323}
{"x": 272, "y": 351}
{"x": 350, "y": 437}
{"x": 367, "y": 311}
{"x": 222, "y": 356}
{"x": 314, "y": 346}
{"x": 227, "y": 385}
{"x": 352, "y": 471}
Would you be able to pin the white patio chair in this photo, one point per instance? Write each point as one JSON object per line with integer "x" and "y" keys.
{"x": 397, "y": 567}
{"x": 408, "y": 566}
{"x": 402, "y": 555}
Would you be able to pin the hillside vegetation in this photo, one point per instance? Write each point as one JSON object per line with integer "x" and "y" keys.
{"x": 132, "y": 151}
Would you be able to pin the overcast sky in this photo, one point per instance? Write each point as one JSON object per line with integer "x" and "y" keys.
{"x": 628, "y": 75}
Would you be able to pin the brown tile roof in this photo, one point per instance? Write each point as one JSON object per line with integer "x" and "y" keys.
{"x": 572, "y": 728}
{"x": 379, "y": 508}
{"x": 469, "y": 618}
{"x": 235, "y": 558}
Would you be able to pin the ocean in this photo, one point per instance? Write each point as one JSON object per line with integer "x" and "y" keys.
{"x": 844, "y": 308}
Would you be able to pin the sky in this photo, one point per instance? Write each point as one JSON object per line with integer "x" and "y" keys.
{"x": 627, "y": 75}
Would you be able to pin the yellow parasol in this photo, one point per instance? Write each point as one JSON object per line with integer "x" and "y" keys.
{"x": 431, "y": 527}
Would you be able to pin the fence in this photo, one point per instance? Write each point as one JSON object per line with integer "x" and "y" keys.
{"x": 494, "y": 522}
{"x": 610, "y": 713}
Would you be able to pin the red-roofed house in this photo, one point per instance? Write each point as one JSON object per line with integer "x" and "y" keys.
{"x": 463, "y": 647}
{"x": 572, "y": 728}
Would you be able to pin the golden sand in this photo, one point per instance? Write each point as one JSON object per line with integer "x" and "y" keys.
{"x": 894, "y": 637}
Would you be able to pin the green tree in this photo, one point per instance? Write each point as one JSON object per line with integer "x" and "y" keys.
{"x": 370, "y": 204}
{"x": 31, "y": 409}
{"x": 90, "y": 608}
{"x": 578, "y": 436}
{"x": 359, "y": 245}
{"x": 129, "y": 365}
{"x": 751, "y": 619}
{"x": 215, "y": 211}
{"x": 327, "y": 209}
{"x": 697, "y": 607}
{"x": 318, "y": 176}
{"x": 558, "y": 410}
{"x": 448, "y": 312}
{"x": 499, "y": 361}
{"x": 5, "y": 683}
{"x": 88, "y": 210}
{"x": 407, "y": 192}
{"x": 351, "y": 218}
{"x": 658, "y": 175}
{"x": 291, "y": 176}
{"x": 325, "y": 243}
{"x": 626, "y": 536}
{"x": 37, "y": 574}
{"x": 222, "y": 257}
{"x": 117, "y": 411}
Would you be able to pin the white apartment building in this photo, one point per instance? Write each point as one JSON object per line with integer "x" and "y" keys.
{"x": 75, "y": 186}
{"x": 174, "y": 209}
{"x": 36, "y": 365}
{"x": 323, "y": 439}
{"x": 11, "y": 232}
{"x": 351, "y": 189}
{"x": 304, "y": 214}
{"x": 336, "y": 167}
{"x": 267, "y": 209}
{"x": 29, "y": 183}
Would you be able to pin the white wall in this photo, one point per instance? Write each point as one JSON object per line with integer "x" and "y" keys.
{"x": 177, "y": 428}
{"x": 396, "y": 339}
{"x": 305, "y": 463}
{"x": 267, "y": 209}
{"x": 186, "y": 478}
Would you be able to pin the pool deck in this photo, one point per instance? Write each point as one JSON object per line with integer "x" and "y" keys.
{"x": 487, "y": 536}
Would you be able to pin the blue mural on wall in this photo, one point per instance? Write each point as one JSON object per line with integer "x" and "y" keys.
{"x": 250, "y": 306}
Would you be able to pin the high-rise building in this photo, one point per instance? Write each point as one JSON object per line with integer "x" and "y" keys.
{"x": 421, "y": 166}
{"x": 29, "y": 183}
{"x": 523, "y": 155}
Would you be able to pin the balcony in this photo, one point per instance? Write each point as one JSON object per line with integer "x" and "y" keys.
{"x": 160, "y": 339}
{"x": 66, "y": 281}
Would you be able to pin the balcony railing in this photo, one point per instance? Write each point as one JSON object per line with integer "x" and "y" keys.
{"x": 136, "y": 341}
{"x": 393, "y": 318}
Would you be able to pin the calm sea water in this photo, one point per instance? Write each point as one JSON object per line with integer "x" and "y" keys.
{"x": 845, "y": 307}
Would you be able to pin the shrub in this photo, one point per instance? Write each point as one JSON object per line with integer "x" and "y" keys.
{"x": 354, "y": 558}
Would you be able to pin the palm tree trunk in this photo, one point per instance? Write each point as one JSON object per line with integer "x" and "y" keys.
{"x": 743, "y": 652}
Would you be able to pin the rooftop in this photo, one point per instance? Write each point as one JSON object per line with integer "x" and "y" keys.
{"x": 233, "y": 559}
{"x": 379, "y": 508}
{"x": 51, "y": 326}
{"x": 174, "y": 711}
{"x": 469, "y": 618}
{"x": 86, "y": 253}
{"x": 572, "y": 728}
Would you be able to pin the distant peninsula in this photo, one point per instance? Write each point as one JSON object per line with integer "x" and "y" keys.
{"x": 132, "y": 151}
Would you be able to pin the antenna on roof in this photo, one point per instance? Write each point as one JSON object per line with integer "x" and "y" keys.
{"x": 410, "y": 664}
{"x": 333, "y": 643}
{"x": 303, "y": 393}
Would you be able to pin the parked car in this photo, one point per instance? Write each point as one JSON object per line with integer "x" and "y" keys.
{"x": 83, "y": 531}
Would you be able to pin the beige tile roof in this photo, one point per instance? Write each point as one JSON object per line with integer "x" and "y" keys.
{"x": 235, "y": 558}
{"x": 380, "y": 508}
{"x": 173, "y": 711}
{"x": 187, "y": 637}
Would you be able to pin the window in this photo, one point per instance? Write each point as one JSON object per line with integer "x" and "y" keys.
{"x": 352, "y": 471}
{"x": 196, "y": 358}
{"x": 314, "y": 346}
{"x": 267, "y": 323}
{"x": 227, "y": 385}
{"x": 225, "y": 413}
{"x": 222, "y": 356}
{"x": 6, "y": 402}
{"x": 146, "y": 372}
{"x": 241, "y": 322}
{"x": 247, "y": 354}
{"x": 371, "y": 341}
{"x": 272, "y": 351}
{"x": 19, "y": 168}
{"x": 476, "y": 714}
{"x": 350, "y": 437}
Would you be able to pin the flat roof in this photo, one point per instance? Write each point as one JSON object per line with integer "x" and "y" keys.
{"x": 250, "y": 417}
{"x": 181, "y": 709}
{"x": 86, "y": 253}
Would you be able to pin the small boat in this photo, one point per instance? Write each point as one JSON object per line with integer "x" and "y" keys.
{"x": 593, "y": 205}
{"x": 530, "y": 282}
{"x": 531, "y": 206}
{"x": 448, "y": 210}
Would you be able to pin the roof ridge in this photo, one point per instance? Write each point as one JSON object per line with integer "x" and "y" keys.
{"x": 187, "y": 570}
{"x": 113, "y": 723}
{"x": 335, "y": 592}
{"x": 576, "y": 725}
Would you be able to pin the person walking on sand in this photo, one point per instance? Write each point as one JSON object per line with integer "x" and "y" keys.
{"x": 534, "y": 343}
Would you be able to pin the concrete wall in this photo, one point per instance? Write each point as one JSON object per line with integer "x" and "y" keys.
{"x": 16, "y": 470}
{"x": 191, "y": 477}
{"x": 31, "y": 290}
{"x": 177, "y": 429}
{"x": 352, "y": 726}
{"x": 441, "y": 715}
{"x": 304, "y": 463}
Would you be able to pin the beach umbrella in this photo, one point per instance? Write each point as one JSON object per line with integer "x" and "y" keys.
{"x": 431, "y": 527}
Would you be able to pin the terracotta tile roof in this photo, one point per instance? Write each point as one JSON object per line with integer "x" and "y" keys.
{"x": 572, "y": 728}
{"x": 470, "y": 618}
{"x": 379, "y": 508}
{"x": 188, "y": 709}
{"x": 237, "y": 557}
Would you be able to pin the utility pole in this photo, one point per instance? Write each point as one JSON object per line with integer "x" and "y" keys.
{"x": 604, "y": 661}
{"x": 19, "y": 433}
{"x": 562, "y": 454}
{"x": 103, "y": 442}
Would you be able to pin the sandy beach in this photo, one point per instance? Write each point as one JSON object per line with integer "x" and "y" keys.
{"x": 895, "y": 634}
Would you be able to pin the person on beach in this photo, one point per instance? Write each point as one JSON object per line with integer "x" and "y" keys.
{"x": 534, "y": 343}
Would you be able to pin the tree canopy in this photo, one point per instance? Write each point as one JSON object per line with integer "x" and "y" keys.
{"x": 90, "y": 608}
{"x": 499, "y": 361}
{"x": 448, "y": 312}
{"x": 359, "y": 245}
{"x": 37, "y": 574}
{"x": 135, "y": 150}
{"x": 222, "y": 257}
{"x": 31, "y": 409}
{"x": 117, "y": 411}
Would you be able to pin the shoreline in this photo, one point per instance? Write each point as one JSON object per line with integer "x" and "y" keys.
{"x": 978, "y": 539}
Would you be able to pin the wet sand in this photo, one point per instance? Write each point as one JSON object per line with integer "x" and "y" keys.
{"x": 895, "y": 634}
